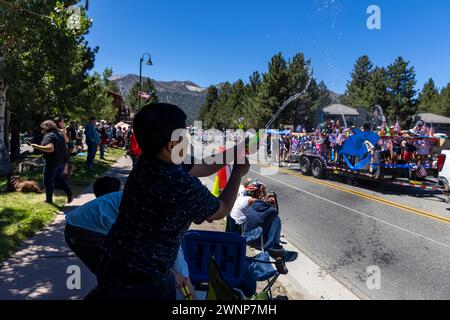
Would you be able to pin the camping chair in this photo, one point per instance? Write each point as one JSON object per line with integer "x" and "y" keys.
{"x": 217, "y": 262}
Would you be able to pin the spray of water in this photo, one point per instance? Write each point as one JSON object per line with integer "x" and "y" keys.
{"x": 345, "y": 121}
{"x": 378, "y": 117}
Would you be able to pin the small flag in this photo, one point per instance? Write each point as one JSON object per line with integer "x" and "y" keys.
{"x": 432, "y": 130}
{"x": 383, "y": 125}
{"x": 144, "y": 95}
{"x": 424, "y": 131}
{"x": 216, "y": 190}
{"x": 397, "y": 127}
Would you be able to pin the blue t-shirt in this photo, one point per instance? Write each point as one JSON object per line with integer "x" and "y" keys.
{"x": 98, "y": 215}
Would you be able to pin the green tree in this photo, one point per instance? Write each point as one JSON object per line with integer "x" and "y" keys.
{"x": 211, "y": 97}
{"x": 429, "y": 99}
{"x": 46, "y": 63}
{"x": 355, "y": 94}
{"x": 133, "y": 97}
{"x": 376, "y": 90}
{"x": 444, "y": 101}
{"x": 302, "y": 110}
{"x": 274, "y": 90}
{"x": 219, "y": 115}
{"x": 401, "y": 90}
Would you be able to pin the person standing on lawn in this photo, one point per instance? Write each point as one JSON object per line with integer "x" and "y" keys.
{"x": 92, "y": 141}
{"x": 160, "y": 201}
{"x": 56, "y": 156}
{"x": 103, "y": 140}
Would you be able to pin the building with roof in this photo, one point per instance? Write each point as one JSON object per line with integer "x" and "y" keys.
{"x": 335, "y": 112}
{"x": 441, "y": 124}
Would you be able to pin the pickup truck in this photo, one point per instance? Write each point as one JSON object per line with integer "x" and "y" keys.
{"x": 444, "y": 175}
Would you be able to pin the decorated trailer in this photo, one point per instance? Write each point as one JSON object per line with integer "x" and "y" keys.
{"x": 401, "y": 160}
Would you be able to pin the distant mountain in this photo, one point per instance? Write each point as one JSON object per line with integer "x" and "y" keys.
{"x": 335, "y": 97}
{"x": 185, "y": 94}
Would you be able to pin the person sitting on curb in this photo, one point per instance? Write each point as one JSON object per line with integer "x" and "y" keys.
{"x": 249, "y": 193}
{"x": 253, "y": 209}
{"x": 263, "y": 213}
{"x": 87, "y": 227}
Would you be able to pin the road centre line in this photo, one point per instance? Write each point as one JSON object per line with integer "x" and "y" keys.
{"x": 355, "y": 211}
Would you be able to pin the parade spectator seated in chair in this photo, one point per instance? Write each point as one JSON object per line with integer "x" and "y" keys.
{"x": 262, "y": 213}
{"x": 254, "y": 209}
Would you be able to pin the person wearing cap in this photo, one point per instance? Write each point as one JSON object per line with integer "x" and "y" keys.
{"x": 92, "y": 141}
{"x": 262, "y": 213}
{"x": 246, "y": 199}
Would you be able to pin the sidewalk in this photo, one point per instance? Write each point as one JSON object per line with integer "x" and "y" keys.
{"x": 38, "y": 271}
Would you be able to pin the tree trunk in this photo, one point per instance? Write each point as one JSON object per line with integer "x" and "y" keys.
{"x": 15, "y": 140}
{"x": 5, "y": 164}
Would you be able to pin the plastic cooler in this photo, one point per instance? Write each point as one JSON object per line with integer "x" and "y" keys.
{"x": 227, "y": 249}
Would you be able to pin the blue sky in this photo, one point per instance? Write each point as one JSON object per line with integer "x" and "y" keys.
{"x": 211, "y": 41}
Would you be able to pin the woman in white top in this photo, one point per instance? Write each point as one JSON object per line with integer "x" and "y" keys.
{"x": 253, "y": 192}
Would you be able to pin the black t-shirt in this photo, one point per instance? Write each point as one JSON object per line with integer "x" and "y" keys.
{"x": 72, "y": 133}
{"x": 59, "y": 156}
{"x": 159, "y": 203}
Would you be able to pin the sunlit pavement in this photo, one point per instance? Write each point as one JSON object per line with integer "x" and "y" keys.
{"x": 346, "y": 233}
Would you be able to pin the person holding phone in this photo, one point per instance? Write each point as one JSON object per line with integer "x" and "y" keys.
{"x": 56, "y": 156}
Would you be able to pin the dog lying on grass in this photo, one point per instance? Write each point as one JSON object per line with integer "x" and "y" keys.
{"x": 16, "y": 184}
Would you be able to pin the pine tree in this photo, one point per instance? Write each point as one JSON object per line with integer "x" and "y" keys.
{"x": 375, "y": 92}
{"x": 429, "y": 99}
{"x": 211, "y": 97}
{"x": 274, "y": 89}
{"x": 219, "y": 115}
{"x": 444, "y": 101}
{"x": 401, "y": 90}
{"x": 354, "y": 95}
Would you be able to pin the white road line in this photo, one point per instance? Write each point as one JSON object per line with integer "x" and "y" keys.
{"x": 355, "y": 211}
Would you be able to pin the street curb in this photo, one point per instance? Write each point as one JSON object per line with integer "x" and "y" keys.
{"x": 306, "y": 280}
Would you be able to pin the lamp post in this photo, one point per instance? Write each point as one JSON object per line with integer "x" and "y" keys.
{"x": 149, "y": 62}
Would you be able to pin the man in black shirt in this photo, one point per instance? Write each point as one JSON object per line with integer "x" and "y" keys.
{"x": 56, "y": 156}
{"x": 160, "y": 201}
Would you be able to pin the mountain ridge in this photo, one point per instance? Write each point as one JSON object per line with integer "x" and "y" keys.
{"x": 188, "y": 95}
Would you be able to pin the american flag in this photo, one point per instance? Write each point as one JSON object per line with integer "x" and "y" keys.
{"x": 144, "y": 95}
{"x": 432, "y": 130}
{"x": 424, "y": 131}
{"x": 397, "y": 127}
{"x": 384, "y": 125}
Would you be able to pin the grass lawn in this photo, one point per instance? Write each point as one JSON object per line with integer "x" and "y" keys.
{"x": 21, "y": 215}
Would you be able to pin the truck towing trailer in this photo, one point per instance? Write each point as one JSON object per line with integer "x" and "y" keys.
{"x": 360, "y": 158}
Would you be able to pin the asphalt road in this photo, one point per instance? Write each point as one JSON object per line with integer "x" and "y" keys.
{"x": 346, "y": 229}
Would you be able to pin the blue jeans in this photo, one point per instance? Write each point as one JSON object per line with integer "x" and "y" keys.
{"x": 52, "y": 175}
{"x": 102, "y": 151}
{"x": 273, "y": 235}
{"x": 92, "y": 151}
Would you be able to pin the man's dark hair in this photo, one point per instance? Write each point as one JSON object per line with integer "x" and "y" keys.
{"x": 367, "y": 127}
{"x": 154, "y": 126}
{"x": 106, "y": 185}
{"x": 92, "y": 118}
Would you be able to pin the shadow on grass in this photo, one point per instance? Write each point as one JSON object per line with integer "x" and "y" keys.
{"x": 22, "y": 215}
{"x": 17, "y": 224}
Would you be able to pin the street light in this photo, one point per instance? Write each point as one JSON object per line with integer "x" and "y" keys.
{"x": 149, "y": 62}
